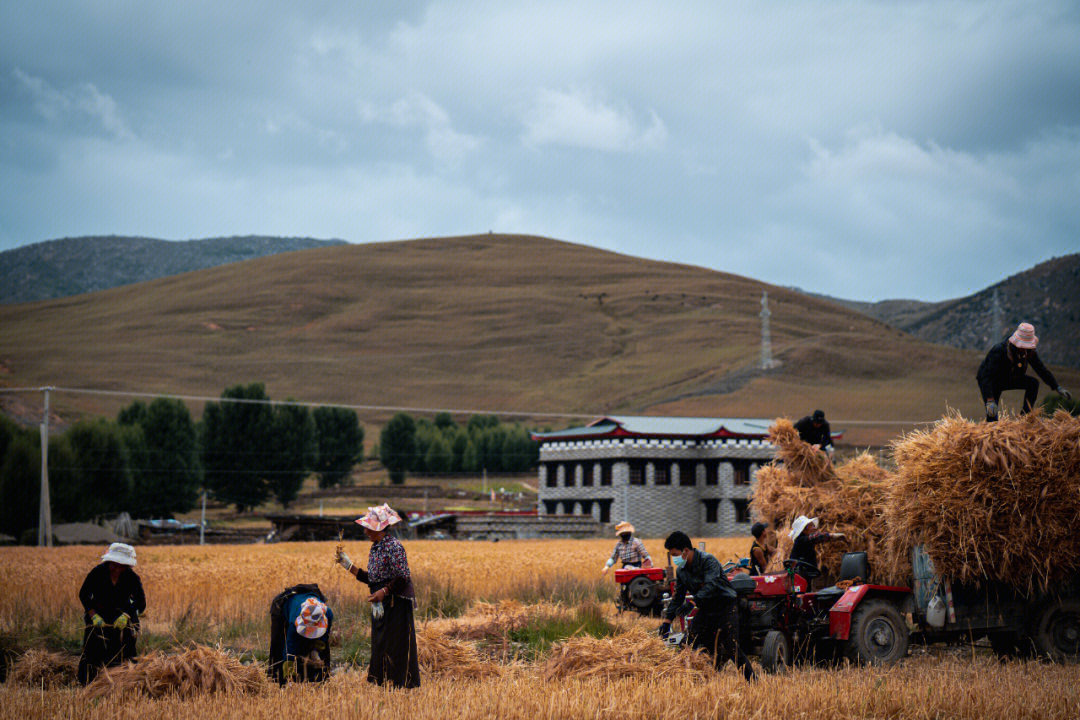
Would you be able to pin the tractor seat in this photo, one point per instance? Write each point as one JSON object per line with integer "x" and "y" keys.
{"x": 853, "y": 565}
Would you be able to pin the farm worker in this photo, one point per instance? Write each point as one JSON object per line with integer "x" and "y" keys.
{"x": 1005, "y": 368}
{"x": 629, "y": 549}
{"x": 393, "y": 632}
{"x": 805, "y": 542}
{"x": 760, "y": 550}
{"x": 300, "y": 624}
{"x": 814, "y": 429}
{"x": 112, "y": 599}
{"x": 715, "y": 627}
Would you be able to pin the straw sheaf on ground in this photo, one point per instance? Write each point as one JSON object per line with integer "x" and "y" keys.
{"x": 44, "y": 668}
{"x": 196, "y": 671}
{"x": 997, "y": 500}
{"x": 634, "y": 653}
{"x": 847, "y": 498}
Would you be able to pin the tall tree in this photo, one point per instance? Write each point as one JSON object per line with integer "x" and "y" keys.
{"x": 341, "y": 444}
{"x": 237, "y": 446}
{"x": 166, "y": 479}
{"x": 20, "y": 484}
{"x": 296, "y": 447}
{"x": 101, "y": 469}
{"x": 397, "y": 446}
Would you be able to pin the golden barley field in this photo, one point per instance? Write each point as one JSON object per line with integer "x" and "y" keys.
{"x": 219, "y": 596}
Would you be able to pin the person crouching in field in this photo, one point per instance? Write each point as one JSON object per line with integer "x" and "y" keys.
{"x": 300, "y": 623}
{"x": 393, "y": 631}
{"x": 112, "y": 599}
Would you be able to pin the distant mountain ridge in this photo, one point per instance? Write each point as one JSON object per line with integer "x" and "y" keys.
{"x": 71, "y": 266}
{"x": 1047, "y": 295}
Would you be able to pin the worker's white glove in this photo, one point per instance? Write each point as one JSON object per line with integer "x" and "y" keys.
{"x": 1064, "y": 393}
{"x": 377, "y": 611}
{"x": 343, "y": 560}
{"x": 991, "y": 410}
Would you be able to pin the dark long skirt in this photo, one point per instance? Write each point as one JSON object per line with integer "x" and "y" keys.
{"x": 104, "y": 647}
{"x": 393, "y": 646}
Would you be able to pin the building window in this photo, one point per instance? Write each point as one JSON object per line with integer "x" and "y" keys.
{"x": 605, "y": 511}
{"x": 712, "y": 473}
{"x": 586, "y": 507}
{"x": 711, "y": 509}
{"x": 742, "y": 510}
{"x": 568, "y": 475}
{"x": 586, "y": 474}
{"x": 551, "y": 507}
{"x": 637, "y": 472}
{"x": 661, "y": 474}
{"x": 552, "y": 475}
{"x": 687, "y": 473}
{"x": 741, "y": 470}
{"x": 605, "y": 473}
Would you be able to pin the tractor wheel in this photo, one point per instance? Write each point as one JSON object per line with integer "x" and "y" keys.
{"x": 878, "y": 636}
{"x": 642, "y": 594}
{"x": 1056, "y": 633}
{"x": 776, "y": 652}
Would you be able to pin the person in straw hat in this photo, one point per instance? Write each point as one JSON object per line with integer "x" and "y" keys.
{"x": 112, "y": 599}
{"x": 1005, "y": 368}
{"x": 630, "y": 550}
{"x": 393, "y": 631}
{"x": 300, "y": 624}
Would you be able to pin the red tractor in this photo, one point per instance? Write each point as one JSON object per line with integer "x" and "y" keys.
{"x": 642, "y": 590}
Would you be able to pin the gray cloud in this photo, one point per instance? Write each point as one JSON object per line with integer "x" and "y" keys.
{"x": 863, "y": 149}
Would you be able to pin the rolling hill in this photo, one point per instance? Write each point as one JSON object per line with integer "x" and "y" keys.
{"x": 1047, "y": 295}
{"x": 58, "y": 268}
{"x": 496, "y": 323}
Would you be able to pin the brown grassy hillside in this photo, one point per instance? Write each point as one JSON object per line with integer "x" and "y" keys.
{"x": 486, "y": 322}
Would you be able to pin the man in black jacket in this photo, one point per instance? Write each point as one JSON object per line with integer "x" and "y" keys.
{"x": 1005, "y": 368}
{"x": 814, "y": 429}
{"x": 715, "y": 627}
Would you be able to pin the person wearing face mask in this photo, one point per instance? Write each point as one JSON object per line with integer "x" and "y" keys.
{"x": 715, "y": 627}
{"x": 629, "y": 549}
{"x": 1005, "y": 368}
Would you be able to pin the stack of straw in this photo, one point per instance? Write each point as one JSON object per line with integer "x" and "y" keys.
{"x": 991, "y": 500}
{"x": 44, "y": 668}
{"x": 440, "y": 654}
{"x": 848, "y": 498}
{"x": 487, "y": 621}
{"x": 635, "y": 653}
{"x": 195, "y": 671}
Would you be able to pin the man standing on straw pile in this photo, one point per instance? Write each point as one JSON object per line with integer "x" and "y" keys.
{"x": 1005, "y": 368}
{"x": 112, "y": 597}
{"x": 393, "y": 630}
{"x": 814, "y": 430}
{"x": 715, "y": 627}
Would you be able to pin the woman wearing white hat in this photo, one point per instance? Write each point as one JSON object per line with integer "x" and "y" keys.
{"x": 1005, "y": 368}
{"x": 112, "y": 597}
{"x": 393, "y": 630}
{"x": 806, "y": 537}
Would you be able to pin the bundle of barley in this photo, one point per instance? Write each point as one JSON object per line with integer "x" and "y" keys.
{"x": 44, "y": 668}
{"x": 486, "y": 621}
{"x": 847, "y": 498}
{"x": 635, "y": 653}
{"x": 195, "y": 671}
{"x": 991, "y": 500}
{"x": 440, "y": 654}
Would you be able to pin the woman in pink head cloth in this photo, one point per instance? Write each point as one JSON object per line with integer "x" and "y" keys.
{"x": 393, "y": 630}
{"x": 1005, "y": 368}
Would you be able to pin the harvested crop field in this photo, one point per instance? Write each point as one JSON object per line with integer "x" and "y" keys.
{"x": 515, "y": 629}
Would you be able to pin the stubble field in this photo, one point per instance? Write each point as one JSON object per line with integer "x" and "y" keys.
{"x": 550, "y": 590}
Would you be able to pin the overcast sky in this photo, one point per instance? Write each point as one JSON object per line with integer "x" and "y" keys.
{"x": 865, "y": 150}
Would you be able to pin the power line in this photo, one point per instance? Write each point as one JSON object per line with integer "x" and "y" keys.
{"x": 382, "y": 408}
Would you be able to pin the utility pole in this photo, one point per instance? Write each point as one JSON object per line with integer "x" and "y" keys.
{"x": 997, "y": 315}
{"x": 766, "y": 339}
{"x": 202, "y": 524}
{"x": 44, "y": 509}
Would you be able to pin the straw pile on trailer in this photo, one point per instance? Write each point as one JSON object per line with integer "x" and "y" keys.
{"x": 847, "y": 498}
{"x": 635, "y": 653}
{"x": 196, "y": 671}
{"x": 44, "y": 668}
{"x": 991, "y": 500}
